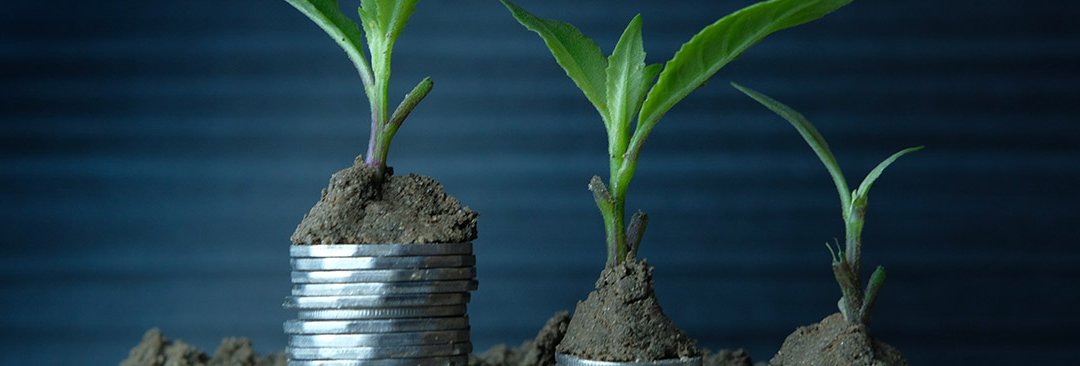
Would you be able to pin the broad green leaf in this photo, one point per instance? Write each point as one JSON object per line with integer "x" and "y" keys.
{"x": 812, "y": 137}
{"x": 578, "y": 55}
{"x": 383, "y": 21}
{"x": 396, "y": 20}
{"x": 389, "y": 16}
{"x": 864, "y": 188}
{"x": 721, "y": 42}
{"x": 327, "y": 14}
{"x": 373, "y": 30}
{"x": 625, "y": 86}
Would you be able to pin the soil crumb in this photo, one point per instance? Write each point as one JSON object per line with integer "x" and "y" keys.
{"x": 725, "y": 357}
{"x": 538, "y": 352}
{"x": 156, "y": 350}
{"x": 360, "y": 207}
{"x": 621, "y": 320}
{"x": 835, "y": 342}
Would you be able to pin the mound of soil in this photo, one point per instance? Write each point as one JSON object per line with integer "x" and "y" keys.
{"x": 156, "y": 350}
{"x": 361, "y": 207}
{"x": 835, "y": 342}
{"x": 621, "y": 320}
{"x": 725, "y": 357}
{"x": 538, "y": 352}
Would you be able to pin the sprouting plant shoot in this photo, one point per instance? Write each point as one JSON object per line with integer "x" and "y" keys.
{"x": 621, "y": 87}
{"x": 855, "y": 304}
{"x": 382, "y": 22}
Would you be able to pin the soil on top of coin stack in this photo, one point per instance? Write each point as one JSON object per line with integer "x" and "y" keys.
{"x": 361, "y": 207}
{"x": 156, "y": 350}
{"x": 836, "y": 342}
{"x": 622, "y": 321}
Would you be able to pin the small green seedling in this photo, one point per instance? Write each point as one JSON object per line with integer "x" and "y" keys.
{"x": 622, "y": 88}
{"x": 382, "y": 22}
{"x": 855, "y": 304}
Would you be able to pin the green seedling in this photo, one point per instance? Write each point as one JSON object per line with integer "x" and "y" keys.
{"x": 855, "y": 303}
{"x": 382, "y": 22}
{"x": 625, "y": 90}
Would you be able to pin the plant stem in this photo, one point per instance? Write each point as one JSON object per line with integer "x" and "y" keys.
{"x": 613, "y": 207}
{"x": 851, "y": 300}
{"x": 635, "y": 232}
{"x": 606, "y": 204}
{"x": 383, "y": 131}
{"x": 853, "y": 244}
{"x": 378, "y": 144}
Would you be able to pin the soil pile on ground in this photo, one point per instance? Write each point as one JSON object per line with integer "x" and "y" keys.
{"x": 835, "y": 342}
{"x": 156, "y": 350}
{"x": 621, "y": 320}
{"x": 538, "y": 352}
{"x": 361, "y": 207}
{"x": 725, "y": 357}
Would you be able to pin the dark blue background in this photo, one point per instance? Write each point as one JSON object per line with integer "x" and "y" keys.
{"x": 157, "y": 155}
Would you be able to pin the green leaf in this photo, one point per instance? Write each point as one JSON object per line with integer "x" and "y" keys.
{"x": 327, "y": 14}
{"x": 877, "y": 279}
{"x": 383, "y": 21}
{"x": 861, "y": 193}
{"x": 388, "y": 17}
{"x": 812, "y": 137}
{"x": 578, "y": 55}
{"x": 625, "y": 86}
{"x": 721, "y": 42}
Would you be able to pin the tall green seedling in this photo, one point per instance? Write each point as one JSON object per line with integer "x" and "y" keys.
{"x": 855, "y": 303}
{"x": 382, "y": 22}
{"x": 631, "y": 96}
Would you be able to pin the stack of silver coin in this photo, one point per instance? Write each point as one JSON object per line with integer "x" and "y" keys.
{"x": 380, "y": 304}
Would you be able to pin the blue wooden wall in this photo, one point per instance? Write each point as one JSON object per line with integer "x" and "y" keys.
{"x": 155, "y": 157}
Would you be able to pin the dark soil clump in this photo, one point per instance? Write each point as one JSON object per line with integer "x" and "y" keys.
{"x": 538, "y": 352}
{"x": 835, "y": 342}
{"x": 725, "y": 357}
{"x": 621, "y": 320}
{"x": 360, "y": 207}
{"x": 156, "y": 350}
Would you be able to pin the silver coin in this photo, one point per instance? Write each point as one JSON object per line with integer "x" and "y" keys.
{"x": 380, "y": 339}
{"x": 385, "y": 275}
{"x": 383, "y": 313}
{"x": 562, "y": 359}
{"x": 378, "y": 250}
{"x": 358, "y": 263}
{"x": 367, "y": 353}
{"x": 462, "y": 360}
{"x": 382, "y": 288}
{"x": 374, "y": 301}
{"x": 374, "y": 326}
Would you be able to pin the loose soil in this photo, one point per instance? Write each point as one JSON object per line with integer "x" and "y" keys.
{"x": 538, "y": 352}
{"x": 361, "y": 207}
{"x": 156, "y": 350}
{"x": 725, "y": 357}
{"x": 835, "y": 342}
{"x": 621, "y": 320}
